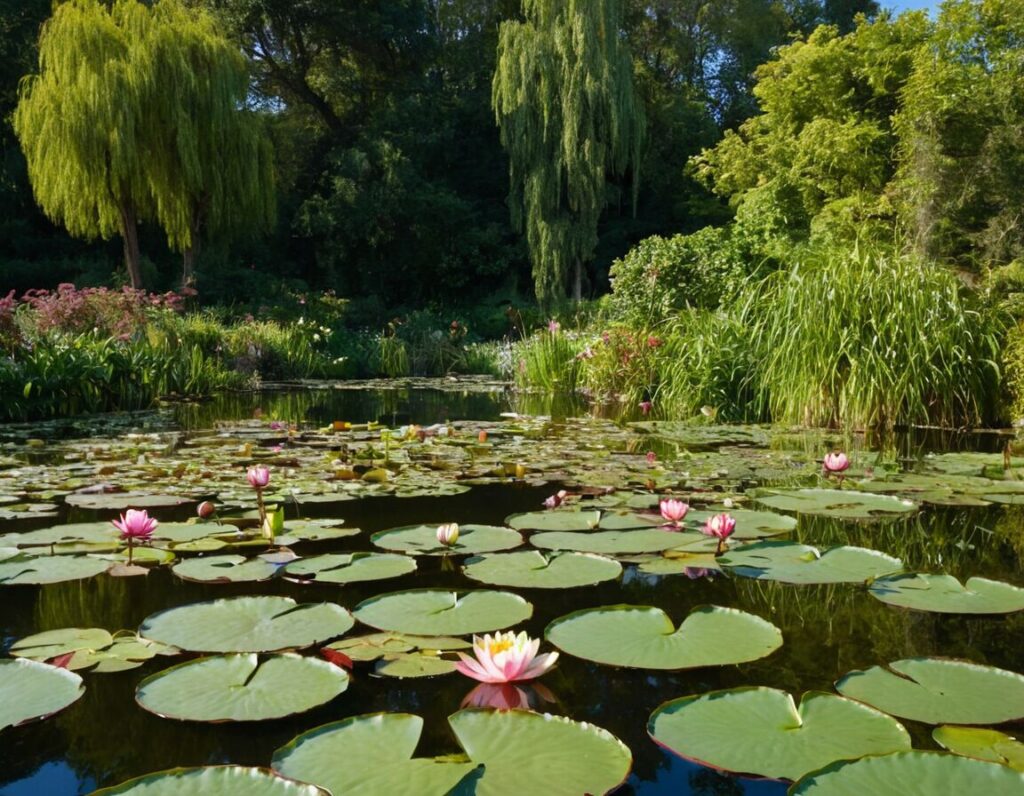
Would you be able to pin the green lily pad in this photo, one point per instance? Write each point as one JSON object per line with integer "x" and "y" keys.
{"x": 95, "y": 533}
{"x": 621, "y": 542}
{"x": 939, "y": 691}
{"x": 531, "y": 569}
{"x": 247, "y": 624}
{"x": 377, "y": 645}
{"x": 212, "y": 781}
{"x": 840, "y": 503}
{"x": 519, "y": 749}
{"x": 573, "y": 521}
{"x": 945, "y": 594}
{"x": 225, "y": 569}
{"x": 749, "y": 524}
{"x": 53, "y": 643}
{"x": 413, "y": 664}
{"x": 371, "y": 754}
{"x": 350, "y": 567}
{"x": 422, "y": 540}
{"x": 644, "y": 637}
{"x": 428, "y": 612}
{"x": 789, "y": 562}
{"x": 30, "y": 690}
{"x": 241, "y": 688}
{"x": 296, "y": 531}
{"x": 912, "y": 772}
{"x": 991, "y": 745}
{"x": 760, "y": 732}
{"x": 119, "y": 501}
{"x": 126, "y": 652}
{"x": 36, "y": 570}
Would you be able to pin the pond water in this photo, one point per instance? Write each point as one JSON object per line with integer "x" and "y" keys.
{"x": 828, "y": 630}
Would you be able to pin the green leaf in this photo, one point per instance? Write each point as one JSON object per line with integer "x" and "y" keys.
{"x": 50, "y": 644}
{"x": 247, "y": 624}
{"x": 532, "y": 569}
{"x": 428, "y": 612}
{"x": 759, "y": 731}
{"x": 749, "y": 524}
{"x": 376, "y": 645}
{"x": 30, "y": 690}
{"x": 945, "y": 594}
{"x": 939, "y": 691}
{"x": 789, "y": 562}
{"x": 644, "y": 637}
{"x": 350, "y": 567}
{"x": 840, "y": 503}
{"x": 225, "y": 569}
{"x": 991, "y": 745}
{"x": 422, "y": 540}
{"x": 912, "y": 772}
{"x": 241, "y": 688}
{"x": 573, "y": 521}
{"x": 622, "y": 542}
{"x": 212, "y": 781}
{"x": 36, "y": 570}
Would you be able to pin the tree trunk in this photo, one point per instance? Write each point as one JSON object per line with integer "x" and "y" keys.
{"x": 130, "y": 235}
{"x": 577, "y": 283}
{"x": 191, "y": 255}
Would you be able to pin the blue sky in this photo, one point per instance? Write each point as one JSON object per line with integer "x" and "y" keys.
{"x": 908, "y": 5}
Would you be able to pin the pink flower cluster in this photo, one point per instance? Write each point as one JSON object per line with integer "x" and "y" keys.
{"x": 112, "y": 312}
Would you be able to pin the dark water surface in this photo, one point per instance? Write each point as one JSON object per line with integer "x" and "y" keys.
{"x": 106, "y": 738}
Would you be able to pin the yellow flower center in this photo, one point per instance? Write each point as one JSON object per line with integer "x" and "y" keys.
{"x": 500, "y": 645}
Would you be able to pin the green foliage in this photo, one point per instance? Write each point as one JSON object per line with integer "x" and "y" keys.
{"x": 548, "y": 360}
{"x": 564, "y": 99}
{"x": 872, "y": 339}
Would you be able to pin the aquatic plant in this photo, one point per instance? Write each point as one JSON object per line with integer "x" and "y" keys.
{"x": 673, "y": 510}
{"x": 448, "y": 534}
{"x": 135, "y": 525}
{"x": 721, "y": 527}
{"x": 505, "y": 658}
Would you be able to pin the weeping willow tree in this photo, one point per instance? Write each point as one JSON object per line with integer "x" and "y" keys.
{"x": 136, "y": 115}
{"x": 563, "y": 97}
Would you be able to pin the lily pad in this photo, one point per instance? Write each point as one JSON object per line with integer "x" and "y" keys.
{"x": 241, "y": 688}
{"x": 403, "y": 665}
{"x": 571, "y": 520}
{"x": 760, "y": 731}
{"x": 247, "y": 624}
{"x": 790, "y": 562}
{"x": 839, "y": 503}
{"x": 30, "y": 690}
{"x": 225, "y": 569}
{"x": 119, "y": 501}
{"x": 945, "y": 594}
{"x": 350, "y": 567}
{"x": 315, "y": 531}
{"x": 991, "y": 745}
{"x": 36, "y": 570}
{"x": 422, "y": 540}
{"x": 126, "y": 652}
{"x": 519, "y": 749}
{"x": 53, "y": 643}
{"x": 644, "y": 637}
{"x": 378, "y": 645}
{"x": 749, "y": 524}
{"x": 531, "y": 569}
{"x": 367, "y": 755}
{"x": 212, "y": 781}
{"x": 939, "y": 691}
{"x": 620, "y": 542}
{"x": 912, "y": 772}
{"x": 428, "y": 612}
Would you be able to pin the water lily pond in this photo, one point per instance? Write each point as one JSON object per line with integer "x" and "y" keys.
{"x": 857, "y": 633}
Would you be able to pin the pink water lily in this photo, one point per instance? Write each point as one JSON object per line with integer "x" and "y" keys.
{"x": 721, "y": 527}
{"x": 835, "y": 462}
{"x": 505, "y": 658}
{"x": 645, "y": 407}
{"x": 135, "y": 525}
{"x": 674, "y": 510}
{"x": 259, "y": 476}
{"x": 556, "y": 499}
{"x": 448, "y": 534}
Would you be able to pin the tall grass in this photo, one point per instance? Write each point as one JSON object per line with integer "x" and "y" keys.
{"x": 869, "y": 339}
{"x": 548, "y": 360}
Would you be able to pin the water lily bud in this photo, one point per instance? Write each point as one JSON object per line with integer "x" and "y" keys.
{"x": 448, "y": 534}
{"x": 258, "y": 476}
{"x": 674, "y": 510}
{"x": 206, "y": 509}
{"x": 835, "y": 462}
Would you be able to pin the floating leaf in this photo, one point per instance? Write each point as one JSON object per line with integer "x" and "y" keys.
{"x": 789, "y": 562}
{"x": 30, "y": 690}
{"x": 413, "y": 664}
{"x": 840, "y": 503}
{"x": 749, "y": 524}
{"x": 241, "y": 688}
{"x": 422, "y": 540}
{"x": 939, "y": 691}
{"x": 212, "y": 781}
{"x": 570, "y": 520}
{"x": 371, "y": 754}
{"x": 531, "y": 569}
{"x": 991, "y": 745}
{"x": 36, "y": 570}
{"x": 50, "y": 644}
{"x": 126, "y": 652}
{"x": 376, "y": 645}
{"x": 912, "y": 772}
{"x": 247, "y": 624}
{"x": 760, "y": 732}
{"x": 621, "y": 542}
{"x": 945, "y": 594}
{"x": 644, "y": 637}
{"x": 315, "y": 531}
{"x": 428, "y": 612}
{"x": 225, "y": 569}
{"x": 119, "y": 501}
{"x": 350, "y": 567}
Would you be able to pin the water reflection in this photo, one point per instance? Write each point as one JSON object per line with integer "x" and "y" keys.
{"x": 510, "y": 696}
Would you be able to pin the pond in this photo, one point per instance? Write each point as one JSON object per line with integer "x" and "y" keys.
{"x": 804, "y": 619}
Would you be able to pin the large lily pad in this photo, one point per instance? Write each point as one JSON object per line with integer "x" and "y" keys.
{"x": 912, "y": 773}
{"x": 644, "y": 637}
{"x": 369, "y": 755}
{"x": 531, "y": 569}
{"x": 760, "y": 731}
{"x": 749, "y": 524}
{"x": 790, "y": 562}
{"x": 30, "y": 690}
{"x": 422, "y": 540}
{"x": 621, "y": 542}
{"x": 374, "y": 646}
{"x": 945, "y": 594}
{"x": 575, "y": 521}
{"x": 53, "y": 643}
{"x": 428, "y": 612}
{"x": 212, "y": 781}
{"x": 840, "y": 503}
{"x": 939, "y": 691}
{"x": 991, "y": 745}
{"x": 296, "y": 531}
{"x": 241, "y": 688}
{"x": 118, "y": 501}
{"x": 519, "y": 749}
{"x": 225, "y": 569}
{"x": 350, "y": 567}
{"x": 24, "y": 570}
{"x": 247, "y": 624}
